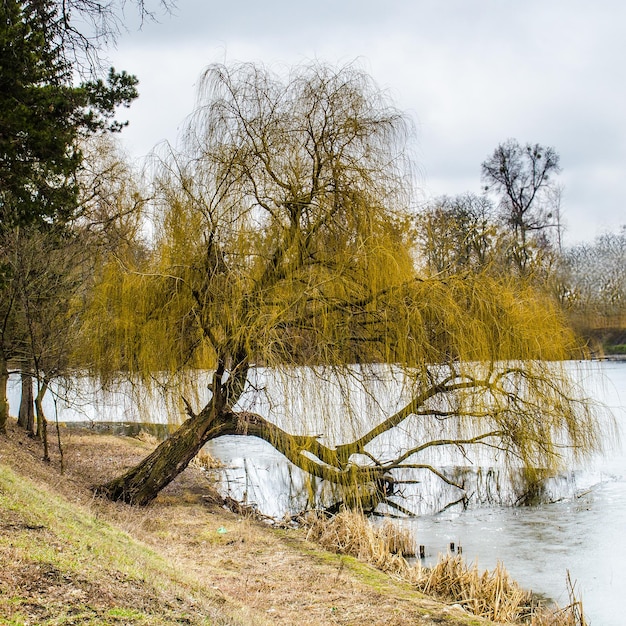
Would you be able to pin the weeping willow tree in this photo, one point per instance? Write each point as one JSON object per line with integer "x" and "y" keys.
{"x": 283, "y": 245}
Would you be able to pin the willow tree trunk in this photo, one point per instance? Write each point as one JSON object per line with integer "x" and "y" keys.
{"x": 142, "y": 483}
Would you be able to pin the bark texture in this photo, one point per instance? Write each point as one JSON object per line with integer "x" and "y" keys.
{"x": 141, "y": 484}
{"x": 26, "y": 415}
{"x": 4, "y": 402}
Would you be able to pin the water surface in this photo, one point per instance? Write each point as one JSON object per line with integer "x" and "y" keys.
{"x": 582, "y": 533}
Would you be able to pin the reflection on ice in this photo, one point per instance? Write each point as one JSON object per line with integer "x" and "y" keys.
{"x": 579, "y": 530}
{"x": 257, "y": 474}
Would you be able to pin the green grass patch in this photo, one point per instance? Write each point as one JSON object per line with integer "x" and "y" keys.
{"x": 615, "y": 349}
{"x": 63, "y": 565}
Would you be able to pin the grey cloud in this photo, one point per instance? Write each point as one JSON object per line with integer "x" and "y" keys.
{"x": 471, "y": 72}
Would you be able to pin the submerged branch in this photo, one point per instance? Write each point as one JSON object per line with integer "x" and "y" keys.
{"x": 430, "y": 468}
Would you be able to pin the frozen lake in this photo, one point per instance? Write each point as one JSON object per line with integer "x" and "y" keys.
{"x": 582, "y": 534}
{"x": 539, "y": 544}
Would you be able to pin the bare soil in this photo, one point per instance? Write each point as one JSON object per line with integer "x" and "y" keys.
{"x": 265, "y": 575}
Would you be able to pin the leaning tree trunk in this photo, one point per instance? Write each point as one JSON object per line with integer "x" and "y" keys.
{"x": 141, "y": 484}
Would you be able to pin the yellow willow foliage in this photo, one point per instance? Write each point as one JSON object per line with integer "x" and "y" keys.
{"x": 477, "y": 317}
{"x": 365, "y": 307}
{"x": 355, "y": 298}
{"x": 141, "y": 323}
{"x": 198, "y": 299}
{"x": 283, "y": 241}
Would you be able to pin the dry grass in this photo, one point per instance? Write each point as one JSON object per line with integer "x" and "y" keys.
{"x": 146, "y": 437}
{"x": 351, "y": 533}
{"x": 204, "y": 461}
{"x": 249, "y": 574}
{"x": 571, "y": 615}
{"x": 489, "y": 594}
{"x": 62, "y": 565}
{"x": 201, "y": 560}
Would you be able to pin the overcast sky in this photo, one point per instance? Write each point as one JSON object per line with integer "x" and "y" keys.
{"x": 470, "y": 73}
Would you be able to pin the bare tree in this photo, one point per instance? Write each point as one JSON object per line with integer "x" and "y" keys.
{"x": 522, "y": 176}
{"x": 593, "y": 284}
{"x": 86, "y": 28}
{"x": 26, "y": 414}
{"x": 50, "y": 270}
{"x": 458, "y": 234}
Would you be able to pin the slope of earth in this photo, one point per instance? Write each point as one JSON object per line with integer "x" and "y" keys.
{"x": 68, "y": 558}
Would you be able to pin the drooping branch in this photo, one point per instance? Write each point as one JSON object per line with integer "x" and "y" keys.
{"x": 479, "y": 439}
{"x": 433, "y": 470}
{"x": 446, "y": 386}
{"x": 307, "y": 453}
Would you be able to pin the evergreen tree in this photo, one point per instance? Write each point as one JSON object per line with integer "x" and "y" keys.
{"x": 44, "y": 115}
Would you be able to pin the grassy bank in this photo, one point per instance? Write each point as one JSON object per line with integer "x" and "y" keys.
{"x": 67, "y": 558}
{"x": 64, "y": 565}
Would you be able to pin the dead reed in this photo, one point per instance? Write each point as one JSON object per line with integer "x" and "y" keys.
{"x": 571, "y": 615}
{"x": 205, "y": 461}
{"x": 351, "y": 533}
{"x": 493, "y": 595}
{"x": 149, "y": 438}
